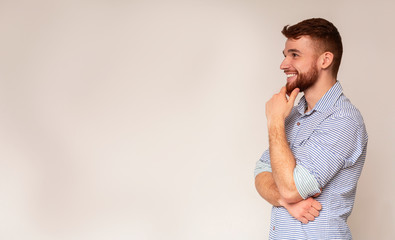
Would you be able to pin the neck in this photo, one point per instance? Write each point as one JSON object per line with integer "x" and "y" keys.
{"x": 314, "y": 93}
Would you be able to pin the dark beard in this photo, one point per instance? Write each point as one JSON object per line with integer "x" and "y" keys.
{"x": 303, "y": 80}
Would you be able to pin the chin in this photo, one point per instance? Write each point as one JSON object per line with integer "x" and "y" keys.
{"x": 290, "y": 87}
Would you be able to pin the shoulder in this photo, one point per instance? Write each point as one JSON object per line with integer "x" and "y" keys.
{"x": 343, "y": 109}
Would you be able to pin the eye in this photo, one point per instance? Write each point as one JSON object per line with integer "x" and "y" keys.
{"x": 295, "y": 55}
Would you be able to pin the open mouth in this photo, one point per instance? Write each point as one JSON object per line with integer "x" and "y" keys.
{"x": 291, "y": 76}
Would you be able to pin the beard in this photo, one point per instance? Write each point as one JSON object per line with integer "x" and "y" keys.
{"x": 303, "y": 81}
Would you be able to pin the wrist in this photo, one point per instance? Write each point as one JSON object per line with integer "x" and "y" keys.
{"x": 275, "y": 122}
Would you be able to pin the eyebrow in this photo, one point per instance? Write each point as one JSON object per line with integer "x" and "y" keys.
{"x": 292, "y": 50}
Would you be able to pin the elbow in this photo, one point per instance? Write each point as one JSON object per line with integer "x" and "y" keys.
{"x": 291, "y": 196}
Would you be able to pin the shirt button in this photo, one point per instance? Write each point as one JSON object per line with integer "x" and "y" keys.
{"x": 274, "y": 228}
{"x": 298, "y": 123}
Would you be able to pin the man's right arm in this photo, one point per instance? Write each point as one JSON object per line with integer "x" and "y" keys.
{"x": 304, "y": 211}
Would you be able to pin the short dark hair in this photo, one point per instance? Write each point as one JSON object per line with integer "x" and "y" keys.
{"x": 324, "y": 33}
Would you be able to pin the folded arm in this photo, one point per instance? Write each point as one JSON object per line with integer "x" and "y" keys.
{"x": 282, "y": 160}
{"x": 304, "y": 210}
{"x": 283, "y": 163}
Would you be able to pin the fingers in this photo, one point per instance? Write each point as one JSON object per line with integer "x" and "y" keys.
{"x": 293, "y": 95}
{"x": 309, "y": 217}
{"x": 314, "y": 212}
{"x": 283, "y": 91}
{"x": 317, "y": 205}
{"x": 311, "y": 212}
{"x": 304, "y": 220}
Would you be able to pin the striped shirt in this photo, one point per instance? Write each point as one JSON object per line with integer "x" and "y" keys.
{"x": 329, "y": 145}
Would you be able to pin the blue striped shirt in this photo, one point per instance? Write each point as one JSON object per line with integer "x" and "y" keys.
{"x": 329, "y": 145}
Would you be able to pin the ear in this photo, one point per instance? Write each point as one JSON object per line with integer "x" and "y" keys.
{"x": 326, "y": 60}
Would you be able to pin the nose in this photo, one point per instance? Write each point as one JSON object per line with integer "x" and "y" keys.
{"x": 284, "y": 64}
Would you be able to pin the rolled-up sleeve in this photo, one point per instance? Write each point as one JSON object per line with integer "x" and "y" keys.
{"x": 337, "y": 143}
{"x": 305, "y": 182}
{"x": 263, "y": 164}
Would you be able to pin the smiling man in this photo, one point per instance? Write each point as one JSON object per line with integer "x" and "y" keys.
{"x": 317, "y": 148}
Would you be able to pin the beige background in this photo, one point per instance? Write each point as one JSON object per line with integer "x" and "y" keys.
{"x": 144, "y": 119}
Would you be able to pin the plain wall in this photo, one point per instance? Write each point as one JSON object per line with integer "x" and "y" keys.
{"x": 144, "y": 119}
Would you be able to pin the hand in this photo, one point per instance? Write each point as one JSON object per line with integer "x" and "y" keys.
{"x": 279, "y": 107}
{"x": 305, "y": 210}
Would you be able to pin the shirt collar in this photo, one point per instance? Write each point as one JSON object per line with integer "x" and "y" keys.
{"x": 327, "y": 101}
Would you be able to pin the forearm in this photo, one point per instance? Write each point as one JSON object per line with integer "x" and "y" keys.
{"x": 266, "y": 187}
{"x": 282, "y": 162}
{"x": 303, "y": 210}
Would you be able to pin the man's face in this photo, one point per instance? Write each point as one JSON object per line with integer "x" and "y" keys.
{"x": 300, "y": 64}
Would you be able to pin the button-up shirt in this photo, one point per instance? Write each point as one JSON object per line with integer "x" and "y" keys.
{"x": 329, "y": 145}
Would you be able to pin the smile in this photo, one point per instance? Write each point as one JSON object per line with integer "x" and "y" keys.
{"x": 291, "y": 75}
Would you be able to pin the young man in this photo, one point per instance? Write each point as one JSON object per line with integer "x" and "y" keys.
{"x": 317, "y": 148}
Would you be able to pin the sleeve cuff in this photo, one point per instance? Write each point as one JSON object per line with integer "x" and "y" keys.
{"x": 305, "y": 182}
{"x": 262, "y": 167}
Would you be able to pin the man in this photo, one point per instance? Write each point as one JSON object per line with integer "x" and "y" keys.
{"x": 317, "y": 148}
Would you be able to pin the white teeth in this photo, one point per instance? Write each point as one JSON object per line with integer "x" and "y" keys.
{"x": 291, "y": 75}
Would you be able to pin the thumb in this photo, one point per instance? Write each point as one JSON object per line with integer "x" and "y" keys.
{"x": 283, "y": 91}
{"x": 293, "y": 96}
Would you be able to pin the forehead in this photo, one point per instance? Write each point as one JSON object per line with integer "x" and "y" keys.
{"x": 303, "y": 44}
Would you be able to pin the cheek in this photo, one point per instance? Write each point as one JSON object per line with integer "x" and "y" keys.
{"x": 304, "y": 69}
